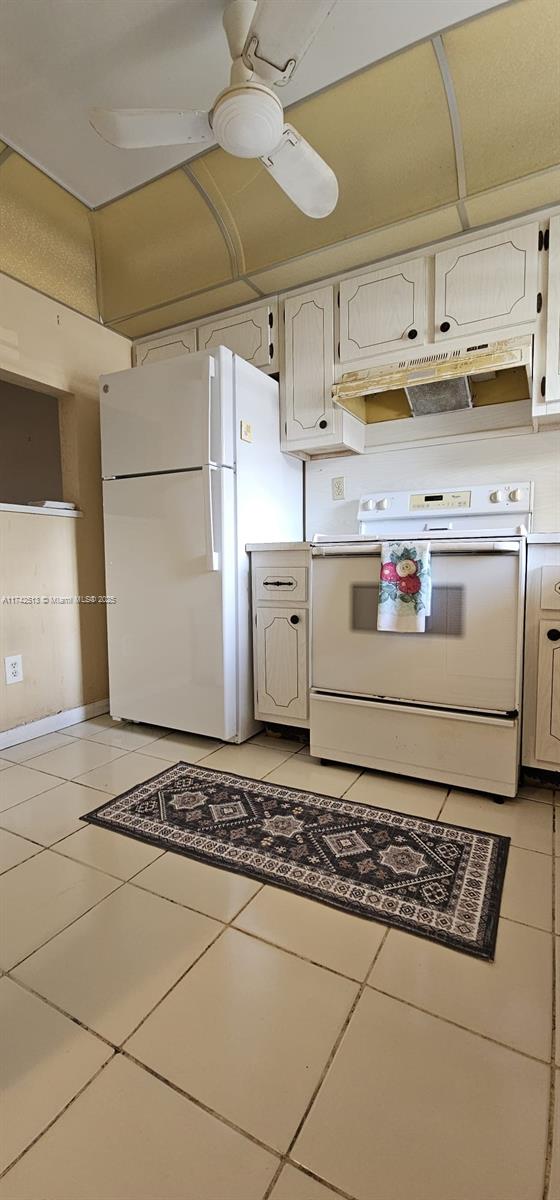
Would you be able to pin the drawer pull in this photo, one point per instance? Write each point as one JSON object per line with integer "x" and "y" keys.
{"x": 553, "y": 635}
{"x": 295, "y": 620}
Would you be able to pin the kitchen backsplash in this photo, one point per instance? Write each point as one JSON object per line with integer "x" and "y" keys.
{"x": 474, "y": 460}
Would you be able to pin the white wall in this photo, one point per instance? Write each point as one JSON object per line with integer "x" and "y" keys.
{"x": 526, "y": 456}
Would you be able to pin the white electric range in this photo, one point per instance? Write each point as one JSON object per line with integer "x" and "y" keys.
{"x": 444, "y": 704}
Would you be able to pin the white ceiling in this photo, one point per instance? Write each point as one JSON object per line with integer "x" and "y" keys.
{"x": 59, "y": 58}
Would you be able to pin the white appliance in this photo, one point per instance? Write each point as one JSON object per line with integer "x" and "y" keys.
{"x": 444, "y": 704}
{"x": 192, "y": 470}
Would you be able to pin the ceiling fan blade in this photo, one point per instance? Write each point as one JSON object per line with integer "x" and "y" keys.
{"x": 140, "y": 128}
{"x": 279, "y": 35}
{"x": 303, "y": 175}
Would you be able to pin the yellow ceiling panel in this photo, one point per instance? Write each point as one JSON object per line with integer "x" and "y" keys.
{"x": 521, "y": 196}
{"x": 505, "y": 68}
{"x": 158, "y": 243}
{"x": 386, "y": 133}
{"x": 360, "y": 251}
{"x": 46, "y": 236}
{"x": 187, "y": 310}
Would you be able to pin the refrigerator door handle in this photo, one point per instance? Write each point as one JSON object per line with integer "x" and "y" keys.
{"x": 212, "y": 558}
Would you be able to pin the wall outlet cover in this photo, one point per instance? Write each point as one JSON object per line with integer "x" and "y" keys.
{"x": 337, "y": 486}
{"x": 246, "y": 431}
{"x": 13, "y": 668}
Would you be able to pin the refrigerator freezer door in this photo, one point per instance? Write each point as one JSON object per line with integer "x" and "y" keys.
{"x": 168, "y": 416}
{"x": 172, "y": 627}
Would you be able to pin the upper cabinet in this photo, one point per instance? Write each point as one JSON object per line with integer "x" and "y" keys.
{"x": 487, "y": 284}
{"x": 167, "y": 345}
{"x": 309, "y": 365}
{"x": 310, "y": 421}
{"x": 252, "y": 334}
{"x": 382, "y": 311}
{"x": 551, "y": 385}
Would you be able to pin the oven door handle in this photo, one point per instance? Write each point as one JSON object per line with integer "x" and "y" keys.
{"x": 332, "y": 550}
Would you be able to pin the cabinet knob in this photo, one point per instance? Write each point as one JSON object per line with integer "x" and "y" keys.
{"x": 412, "y": 333}
{"x": 553, "y": 635}
{"x": 445, "y": 326}
{"x": 295, "y": 620}
{"x": 323, "y": 424}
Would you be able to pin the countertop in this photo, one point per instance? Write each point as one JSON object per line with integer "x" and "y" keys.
{"x": 550, "y": 539}
{"x": 256, "y": 546}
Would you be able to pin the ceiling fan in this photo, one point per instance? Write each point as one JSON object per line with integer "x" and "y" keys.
{"x": 267, "y": 40}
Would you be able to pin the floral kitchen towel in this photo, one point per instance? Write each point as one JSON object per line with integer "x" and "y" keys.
{"x": 405, "y": 587}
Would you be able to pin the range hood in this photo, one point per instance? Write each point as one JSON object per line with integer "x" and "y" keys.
{"x": 438, "y": 380}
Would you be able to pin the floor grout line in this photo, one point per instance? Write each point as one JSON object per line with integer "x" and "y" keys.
{"x": 457, "y": 1025}
{"x": 56, "y": 1118}
{"x": 63, "y": 1012}
{"x": 330, "y": 1059}
{"x": 552, "y": 1092}
{"x": 284, "y": 1157}
{"x": 21, "y": 961}
{"x": 176, "y": 1087}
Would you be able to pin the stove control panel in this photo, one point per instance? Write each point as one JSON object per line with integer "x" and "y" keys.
{"x": 459, "y": 503}
{"x": 430, "y": 500}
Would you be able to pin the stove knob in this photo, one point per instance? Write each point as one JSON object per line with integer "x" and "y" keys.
{"x": 384, "y": 503}
{"x": 496, "y": 497}
{"x": 366, "y": 505}
{"x": 515, "y": 494}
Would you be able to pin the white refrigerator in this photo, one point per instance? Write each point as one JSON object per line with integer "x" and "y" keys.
{"x": 192, "y": 471}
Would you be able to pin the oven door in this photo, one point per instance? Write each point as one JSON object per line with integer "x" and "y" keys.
{"x": 469, "y": 655}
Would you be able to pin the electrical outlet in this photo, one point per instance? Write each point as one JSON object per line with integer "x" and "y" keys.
{"x": 337, "y": 485}
{"x": 13, "y": 668}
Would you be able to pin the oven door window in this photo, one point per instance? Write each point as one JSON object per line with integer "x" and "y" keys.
{"x": 467, "y": 656}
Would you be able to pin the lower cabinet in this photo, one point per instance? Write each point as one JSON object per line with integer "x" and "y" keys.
{"x": 281, "y": 637}
{"x": 282, "y": 662}
{"x": 547, "y": 741}
{"x": 541, "y": 705}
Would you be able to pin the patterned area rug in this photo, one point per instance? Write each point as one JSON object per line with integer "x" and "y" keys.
{"x": 439, "y": 881}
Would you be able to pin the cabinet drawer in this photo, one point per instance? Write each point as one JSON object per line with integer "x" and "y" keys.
{"x": 290, "y": 584}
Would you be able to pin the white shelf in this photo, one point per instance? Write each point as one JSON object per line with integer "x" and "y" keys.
{"x": 43, "y": 512}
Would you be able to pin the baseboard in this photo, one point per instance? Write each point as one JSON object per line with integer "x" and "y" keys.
{"x": 60, "y": 720}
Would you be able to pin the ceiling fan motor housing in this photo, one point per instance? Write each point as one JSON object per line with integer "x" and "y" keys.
{"x": 248, "y": 120}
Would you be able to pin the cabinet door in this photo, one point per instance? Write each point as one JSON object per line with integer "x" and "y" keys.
{"x": 383, "y": 310}
{"x": 251, "y": 334}
{"x": 552, "y": 377}
{"x": 487, "y": 284}
{"x": 168, "y": 345}
{"x": 309, "y": 368}
{"x": 281, "y": 662}
{"x": 547, "y": 744}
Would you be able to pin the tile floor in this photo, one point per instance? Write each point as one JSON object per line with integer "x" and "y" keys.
{"x": 174, "y": 1032}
